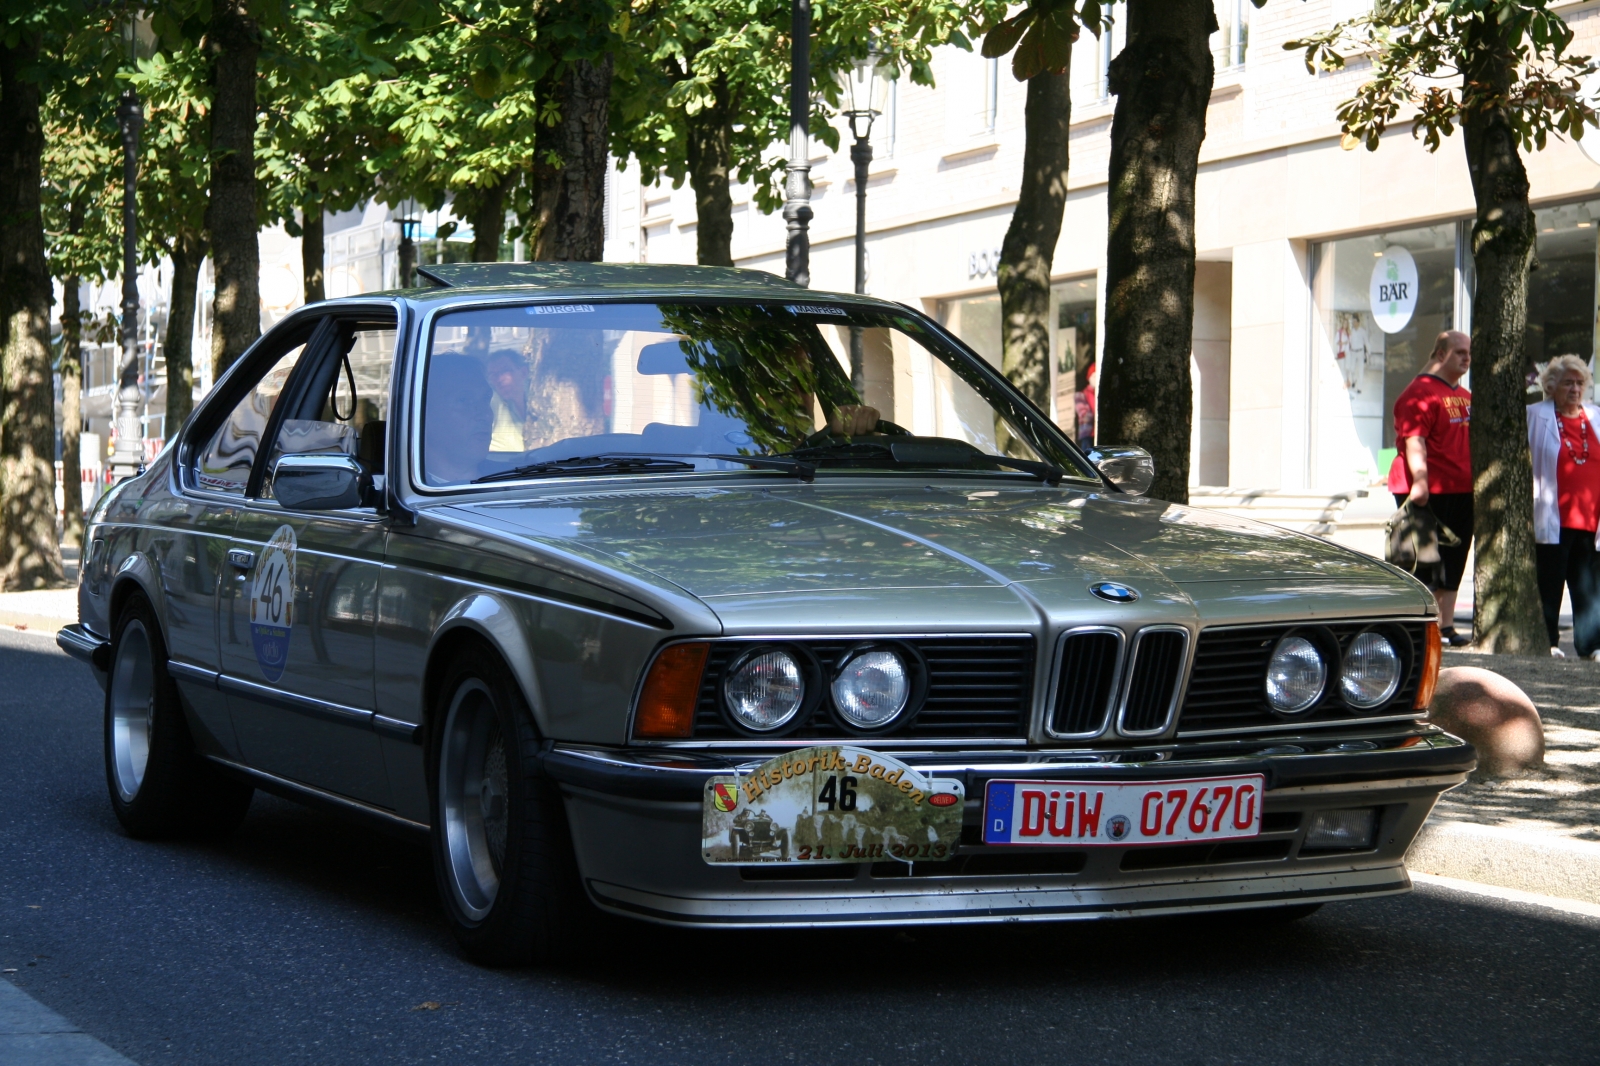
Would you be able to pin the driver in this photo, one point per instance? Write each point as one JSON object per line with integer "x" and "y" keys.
{"x": 458, "y": 422}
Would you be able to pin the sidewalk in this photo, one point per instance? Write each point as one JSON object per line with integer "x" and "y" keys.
{"x": 1539, "y": 833}
{"x": 48, "y": 609}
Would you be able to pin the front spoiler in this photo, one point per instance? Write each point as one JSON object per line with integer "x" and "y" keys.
{"x": 945, "y": 904}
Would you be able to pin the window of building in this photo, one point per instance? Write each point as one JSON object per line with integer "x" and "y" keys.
{"x": 1074, "y": 320}
{"x": 1561, "y": 293}
{"x": 1232, "y": 39}
{"x": 1073, "y": 371}
{"x": 991, "y": 96}
{"x": 1366, "y": 353}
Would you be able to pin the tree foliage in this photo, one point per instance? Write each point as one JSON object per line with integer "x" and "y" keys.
{"x": 1499, "y": 70}
{"x": 1419, "y": 51}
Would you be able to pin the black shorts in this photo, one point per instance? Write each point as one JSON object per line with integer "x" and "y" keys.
{"x": 1453, "y": 509}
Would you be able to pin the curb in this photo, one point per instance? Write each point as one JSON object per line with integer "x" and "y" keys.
{"x": 32, "y": 1034}
{"x": 40, "y": 622}
{"x": 1539, "y": 863}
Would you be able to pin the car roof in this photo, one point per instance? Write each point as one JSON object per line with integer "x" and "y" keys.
{"x": 643, "y": 280}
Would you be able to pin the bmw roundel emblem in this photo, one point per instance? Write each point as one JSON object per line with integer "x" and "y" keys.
{"x": 1110, "y": 590}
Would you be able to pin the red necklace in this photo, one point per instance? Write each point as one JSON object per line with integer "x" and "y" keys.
{"x": 1583, "y": 432}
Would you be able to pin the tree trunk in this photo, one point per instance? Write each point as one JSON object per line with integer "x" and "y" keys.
{"x": 71, "y": 364}
{"x": 489, "y": 220}
{"x": 1506, "y": 616}
{"x": 312, "y": 246}
{"x": 234, "y": 41}
{"x": 30, "y": 552}
{"x": 1162, "y": 80}
{"x": 710, "y": 169}
{"x": 1030, "y": 244}
{"x": 188, "y": 251}
{"x": 572, "y": 220}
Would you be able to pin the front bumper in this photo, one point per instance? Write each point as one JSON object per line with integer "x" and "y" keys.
{"x": 636, "y": 823}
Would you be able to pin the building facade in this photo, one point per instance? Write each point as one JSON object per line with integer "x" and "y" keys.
{"x": 1296, "y": 360}
{"x": 1323, "y": 274}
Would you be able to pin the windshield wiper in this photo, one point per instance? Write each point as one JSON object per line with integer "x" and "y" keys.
{"x": 802, "y": 470}
{"x": 588, "y": 464}
{"x": 948, "y": 453}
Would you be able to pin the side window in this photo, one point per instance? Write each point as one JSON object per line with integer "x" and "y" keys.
{"x": 345, "y": 409}
{"x": 224, "y": 463}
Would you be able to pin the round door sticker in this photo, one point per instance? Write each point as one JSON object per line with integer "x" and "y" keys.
{"x": 1393, "y": 295}
{"x": 272, "y": 604}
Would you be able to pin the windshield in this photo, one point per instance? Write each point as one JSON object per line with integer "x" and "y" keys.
{"x": 542, "y": 390}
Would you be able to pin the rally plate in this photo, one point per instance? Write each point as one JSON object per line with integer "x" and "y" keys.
{"x": 1089, "y": 813}
{"x": 830, "y": 803}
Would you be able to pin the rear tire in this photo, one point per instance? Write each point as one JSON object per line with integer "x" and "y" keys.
{"x": 502, "y": 851}
{"x": 160, "y": 786}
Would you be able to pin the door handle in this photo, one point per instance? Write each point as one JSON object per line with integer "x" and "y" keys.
{"x": 241, "y": 559}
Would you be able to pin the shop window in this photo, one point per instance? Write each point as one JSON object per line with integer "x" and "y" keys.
{"x": 1561, "y": 291}
{"x": 1381, "y": 301}
{"x": 1072, "y": 377}
{"x": 1074, "y": 318}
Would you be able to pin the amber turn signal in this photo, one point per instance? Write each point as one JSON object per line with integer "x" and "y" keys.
{"x": 671, "y": 689}
{"x": 1432, "y": 656}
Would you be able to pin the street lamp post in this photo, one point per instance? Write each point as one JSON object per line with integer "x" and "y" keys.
{"x": 128, "y": 458}
{"x": 867, "y": 85}
{"x": 797, "y": 178}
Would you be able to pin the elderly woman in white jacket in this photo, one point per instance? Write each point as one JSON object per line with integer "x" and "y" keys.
{"x": 1564, "y": 436}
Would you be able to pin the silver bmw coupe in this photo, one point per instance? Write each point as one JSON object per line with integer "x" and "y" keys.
{"x": 690, "y": 595}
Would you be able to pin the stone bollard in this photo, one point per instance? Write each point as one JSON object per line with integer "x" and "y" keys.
{"x": 1494, "y": 716}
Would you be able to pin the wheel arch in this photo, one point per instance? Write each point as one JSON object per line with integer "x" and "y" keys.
{"x": 136, "y": 573}
{"x": 487, "y": 621}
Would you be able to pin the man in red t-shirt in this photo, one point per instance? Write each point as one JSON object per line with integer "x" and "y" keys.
{"x": 1434, "y": 466}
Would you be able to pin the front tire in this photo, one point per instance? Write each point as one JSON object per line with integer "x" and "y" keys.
{"x": 502, "y": 851}
{"x": 160, "y": 786}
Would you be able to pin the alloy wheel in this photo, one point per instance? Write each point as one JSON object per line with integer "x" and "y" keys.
{"x": 473, "y": 798}
{"x": 133, "y": 704}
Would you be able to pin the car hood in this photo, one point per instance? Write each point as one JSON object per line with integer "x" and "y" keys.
{"x": 803, "y": 539}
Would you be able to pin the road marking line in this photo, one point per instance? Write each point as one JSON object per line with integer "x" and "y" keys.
{"x": 1511, "y": 895}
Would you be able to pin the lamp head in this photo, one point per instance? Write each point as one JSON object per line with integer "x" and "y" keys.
{"x": 867, "y": 90}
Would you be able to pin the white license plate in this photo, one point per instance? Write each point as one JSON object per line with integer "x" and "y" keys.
{"x": 1087, "y": 813}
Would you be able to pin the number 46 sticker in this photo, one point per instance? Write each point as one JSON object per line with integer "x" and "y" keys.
{"x": 272, "y": 604}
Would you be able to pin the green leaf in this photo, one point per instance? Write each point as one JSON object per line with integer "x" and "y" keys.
{"x": 1000, "y": 40}
{"x": 1029, "y": 59}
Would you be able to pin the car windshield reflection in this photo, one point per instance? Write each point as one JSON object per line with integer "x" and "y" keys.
{"x": 535, "y": 391}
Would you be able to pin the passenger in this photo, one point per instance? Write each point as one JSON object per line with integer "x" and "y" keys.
{"x": 508, "y": 376}
{"x": 457, "y": 421}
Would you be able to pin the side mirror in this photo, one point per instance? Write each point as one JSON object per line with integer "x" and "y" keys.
{"x": 1129, "y": 469}
{"x": 321, "y": 483}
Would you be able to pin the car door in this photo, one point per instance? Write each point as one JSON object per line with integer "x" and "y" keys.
{"x": 296, "y": 636}
{"x": 217, "y": 453}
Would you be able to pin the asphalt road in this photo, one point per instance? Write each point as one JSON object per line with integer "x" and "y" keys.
{"x": 303, "y": 940}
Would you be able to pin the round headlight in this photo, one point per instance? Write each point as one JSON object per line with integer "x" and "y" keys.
{"x": 872, "y": 688}
{"x": 765, "y": 691}
{"x": 1371, "y": 671}
{"x": 1295, "y": 676}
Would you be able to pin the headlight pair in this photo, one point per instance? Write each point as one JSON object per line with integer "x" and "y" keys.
{"x": 767, "y": 689}
{"x": 1297, "y": 673}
